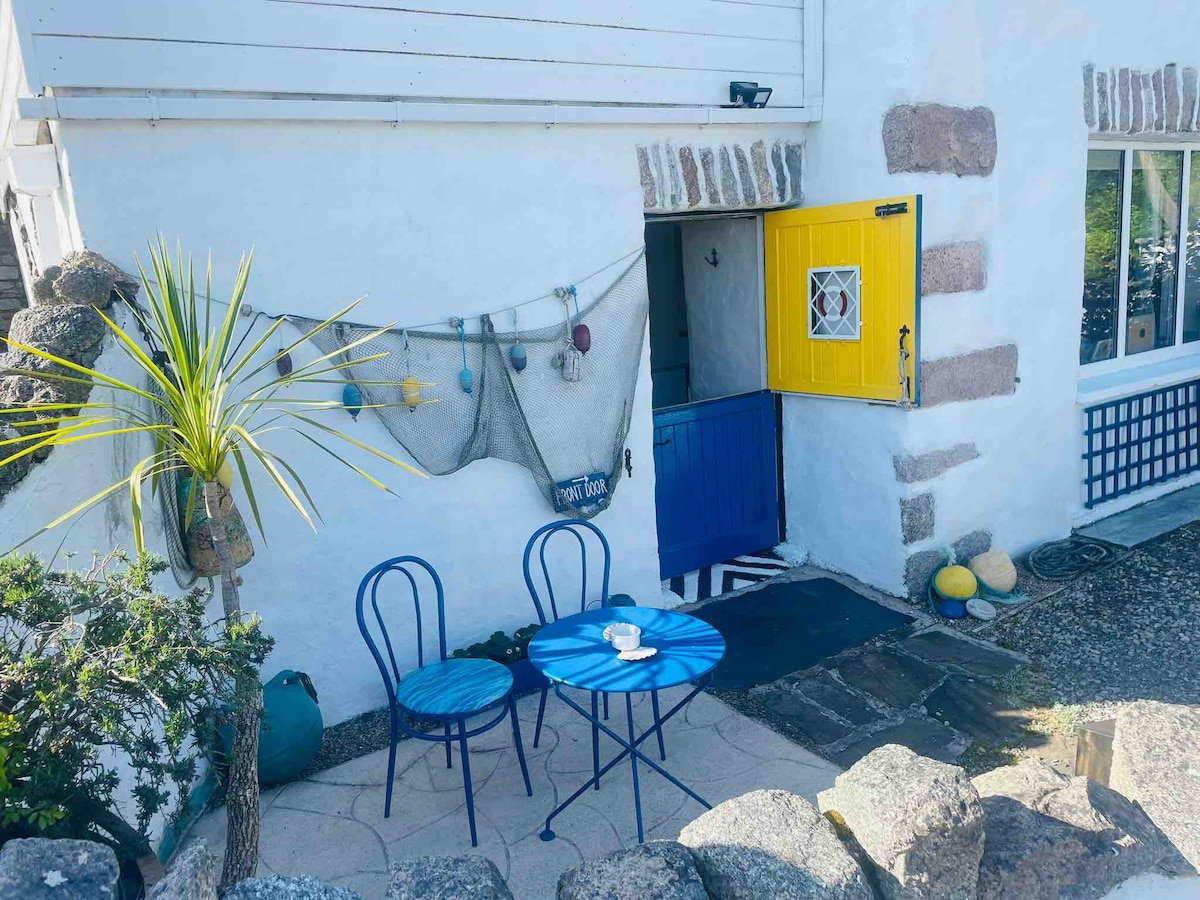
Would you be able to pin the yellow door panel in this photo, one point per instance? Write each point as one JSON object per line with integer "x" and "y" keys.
{"x": 842, "y": 287}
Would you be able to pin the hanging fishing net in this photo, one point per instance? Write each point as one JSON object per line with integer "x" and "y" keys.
{"x": 564, "y": 417}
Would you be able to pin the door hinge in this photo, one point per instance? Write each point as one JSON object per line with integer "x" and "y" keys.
{"x": 891, "y": 209}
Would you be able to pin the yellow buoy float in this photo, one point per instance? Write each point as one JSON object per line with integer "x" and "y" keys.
{"x": 955, "y": 583}
{"x": 410, "y": 391}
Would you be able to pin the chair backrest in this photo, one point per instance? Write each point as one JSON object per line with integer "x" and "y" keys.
{"x": 370, "y": 587}
{"x": 540, "y": 539}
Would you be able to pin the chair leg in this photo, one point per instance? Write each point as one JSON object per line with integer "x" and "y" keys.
{"x": 606, "y": 707}
{"x": 537, "y": 732}
{"x": 596, "y": 739}
{"x": 387, "y": 800}
{"x": 662, "y": 750}
{"x": 516, "y": 728}
{"x": 449, "y": 765}
{"x": 466, "y": 768}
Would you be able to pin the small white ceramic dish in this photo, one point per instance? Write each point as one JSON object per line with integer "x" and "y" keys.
{"x": 623, "y": 635}
{"x": 639, "y": 653}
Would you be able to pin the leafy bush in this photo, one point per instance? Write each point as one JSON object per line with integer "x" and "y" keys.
{"x": 98, "y": 661}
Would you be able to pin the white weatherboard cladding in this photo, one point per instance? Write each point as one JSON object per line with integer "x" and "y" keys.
{"x": 1022, "y": 60}
{"x": 427, "y": 222}
{"x": 677, "y": 52}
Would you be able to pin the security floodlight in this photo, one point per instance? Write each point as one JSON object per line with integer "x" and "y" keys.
{"x": 748, "y": 95}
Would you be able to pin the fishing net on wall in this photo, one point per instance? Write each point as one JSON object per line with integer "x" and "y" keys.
{"x": 561, "y": 430}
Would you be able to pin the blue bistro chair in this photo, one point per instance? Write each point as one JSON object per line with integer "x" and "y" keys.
{"x": 448, "y": 691}
{"x": 539, "y": 540}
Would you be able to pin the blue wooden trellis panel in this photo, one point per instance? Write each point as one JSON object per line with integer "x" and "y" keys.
{"x": 717, "y": 481}
{"x": 1138, "y": 441}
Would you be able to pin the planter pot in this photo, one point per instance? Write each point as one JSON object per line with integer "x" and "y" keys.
{"x": 526, "y": 678}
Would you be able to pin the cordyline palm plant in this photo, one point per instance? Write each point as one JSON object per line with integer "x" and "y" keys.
{"x": 204, "y": 406}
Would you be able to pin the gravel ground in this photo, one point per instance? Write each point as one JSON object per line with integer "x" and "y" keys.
{"x": 1127, "y": 632}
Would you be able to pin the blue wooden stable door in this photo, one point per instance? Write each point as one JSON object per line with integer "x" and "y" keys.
{"x": 717, "y": 481}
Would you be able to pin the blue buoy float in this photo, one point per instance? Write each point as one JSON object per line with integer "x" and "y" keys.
{"x": 352, "y": 399}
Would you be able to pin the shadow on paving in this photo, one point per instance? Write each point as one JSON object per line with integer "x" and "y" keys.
{"x": 790, "y": 625}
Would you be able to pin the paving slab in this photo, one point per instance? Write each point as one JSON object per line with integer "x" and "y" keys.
{"x": 896, "y": 679}
{"x": 1148, "y": 521}
{"x": 921, "y": 735}
{"x": 949, "y": 649}
{"x": 822, "y": 688}
{"x": 976, "y": 709}
{"x": 803, "y": 715}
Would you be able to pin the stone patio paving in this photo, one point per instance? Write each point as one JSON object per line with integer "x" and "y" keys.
{"x": 331, "y": 825}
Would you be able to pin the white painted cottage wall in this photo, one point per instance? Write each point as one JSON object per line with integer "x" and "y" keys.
{"x": 1022, "y": 59}
{"x": 724, "y": 307}
{"x": 426, "y": 221}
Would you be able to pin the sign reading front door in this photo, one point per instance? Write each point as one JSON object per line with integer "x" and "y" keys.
{"x": 582, "y": 493}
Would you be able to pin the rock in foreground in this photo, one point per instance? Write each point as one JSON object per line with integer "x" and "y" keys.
{"x": 918, "y": 821}
{"x": 1156, "y": 763}
{"x": 772, "y": 844}
{"x": 660, "y": 870}
{"x": 192, "y": 876}
{"x": 42, "y": 869}
{"x": 277, "y": 887}
{"x": 1050, "y": 837}
{"x": 447, "y": 878}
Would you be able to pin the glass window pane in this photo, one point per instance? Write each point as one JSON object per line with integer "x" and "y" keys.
{"x": 1157, "y": 190}
{"x": 1101, "y": 255}
{"x": 1191, "y": 291}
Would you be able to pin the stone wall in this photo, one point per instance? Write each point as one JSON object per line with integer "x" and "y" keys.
{"x": 1138, "y": 101}
{"x": 720, "y": 177}
{"x": 13, "y": 296}
{"x": 63, "y": 322}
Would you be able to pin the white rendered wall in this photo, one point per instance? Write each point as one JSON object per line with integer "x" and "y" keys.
{"x": 425, "y": 222}
{"x": 1023, "y": 60}
{"x": 724, "y": 306}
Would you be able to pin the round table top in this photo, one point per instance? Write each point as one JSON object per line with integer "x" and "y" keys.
{"x": 573, "y": 650}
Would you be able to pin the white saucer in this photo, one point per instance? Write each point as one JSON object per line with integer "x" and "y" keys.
{"x": 637, "y": 653}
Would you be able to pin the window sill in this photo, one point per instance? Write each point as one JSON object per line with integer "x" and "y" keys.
{"x": 1112, "y": 385}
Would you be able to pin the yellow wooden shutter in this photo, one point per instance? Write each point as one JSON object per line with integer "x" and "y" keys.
{"x": 842, "y": 284}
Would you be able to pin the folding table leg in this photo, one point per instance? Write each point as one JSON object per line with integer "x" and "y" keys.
{"x": 662, "y": 749}
{"x": 537, "y": 731}
{"x": 637, "y": 791}
{"x": 596, "y": 740}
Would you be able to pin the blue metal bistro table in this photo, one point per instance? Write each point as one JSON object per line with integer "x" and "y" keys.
{"x": 574, "y": 653}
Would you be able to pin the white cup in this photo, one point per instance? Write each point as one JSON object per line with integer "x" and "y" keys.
{"x": 625, "y": 636}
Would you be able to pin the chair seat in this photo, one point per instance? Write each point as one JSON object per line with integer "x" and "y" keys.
{"x": 454, "y": 687}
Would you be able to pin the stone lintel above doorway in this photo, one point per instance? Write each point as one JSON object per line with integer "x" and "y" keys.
{"x": 679, "y": 177}
{"x": 1140, "y": 101}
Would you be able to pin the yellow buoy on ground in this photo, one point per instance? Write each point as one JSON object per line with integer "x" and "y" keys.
{"x": 995, "y": 569}
{"x": 955, "y": 582}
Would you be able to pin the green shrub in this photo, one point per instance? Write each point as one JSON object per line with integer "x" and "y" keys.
{"x": 98, "y": 661}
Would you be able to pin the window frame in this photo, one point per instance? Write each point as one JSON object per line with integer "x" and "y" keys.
{"x": 1122, "y": 362}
